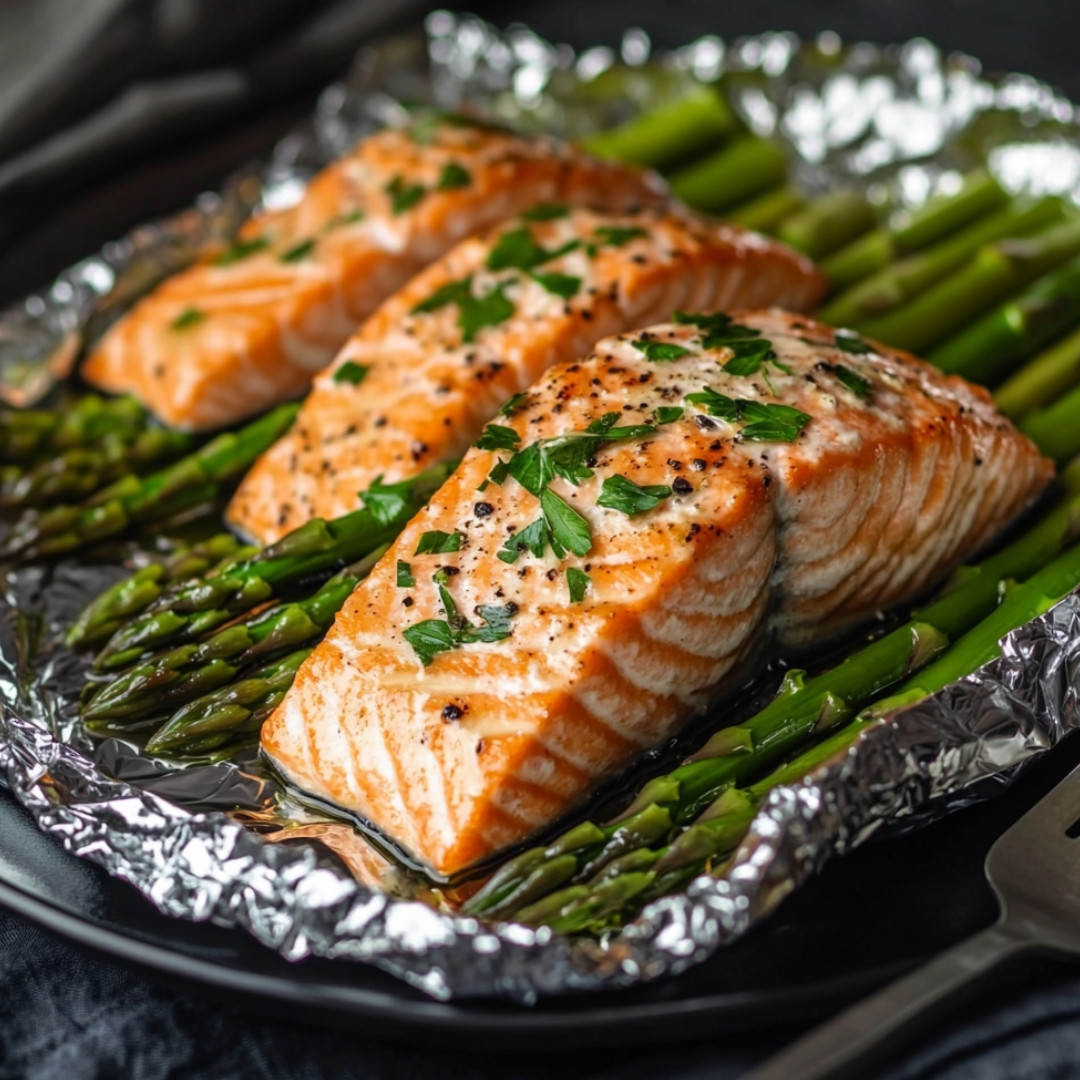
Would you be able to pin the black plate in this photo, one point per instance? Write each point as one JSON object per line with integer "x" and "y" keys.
{"x": 868, "y": 918}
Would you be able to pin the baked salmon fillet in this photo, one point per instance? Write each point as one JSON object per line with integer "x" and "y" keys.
{"x": 415, "y": 385}
{"x": 623, "y": 549}
{"x": 233, "y": 335}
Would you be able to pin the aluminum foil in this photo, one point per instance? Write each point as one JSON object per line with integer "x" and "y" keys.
{"x": 903, "y": 120}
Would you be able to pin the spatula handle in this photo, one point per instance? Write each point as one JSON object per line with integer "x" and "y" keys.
{"x": 864, "y": 1033}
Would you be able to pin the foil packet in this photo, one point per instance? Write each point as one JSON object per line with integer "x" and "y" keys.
{"x": 902, "y": 122}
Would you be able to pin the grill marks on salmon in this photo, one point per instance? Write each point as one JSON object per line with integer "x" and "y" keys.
{"x": 231, "y": 336}
{"x": 415, "y": 385}
{"x": 893, "y": 474}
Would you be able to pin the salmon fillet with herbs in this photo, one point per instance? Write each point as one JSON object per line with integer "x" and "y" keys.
{"x": 623, "y": 548}
{"x": 249, "y": 328}
{"x": 419, "y": 380}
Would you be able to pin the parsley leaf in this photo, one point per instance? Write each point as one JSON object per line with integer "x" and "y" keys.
{"x": 619, "y": 493}
{"x": 450, "y": 293}
{"x": 568, "y": 528}
{"x": 577, "y": 581}
{"x": 615, "y": 236}
{"x": 388, "y": 504}
{"x": 190, "y": 317}
{"x": 715, "y": 404}
{"x": 405, "y": 579}
{"x": 351, "y": 372}
{"x": 429, "y": 638}
{"x": 437, "y": 542}
{"x": 534, "y": 538}
{"x": 660, "y": 351}
{"x": 749, "y": 356}
{"x": 476, "y": 312}
{"x": 498, "y": 437}
{"x": 453, "y": 176}
{"x": 668, "y": 414}
{"x": 404, "y": 196}
{"x": 298, "y": 252}
{"x": 516, "y": 250}
{"x": 854, "y": 382}
{"x": 514, "y": 404}
{"x": 564, "y": 285}
{"x": 350, "y": 217}
{"x": 852, "y": 343}
{"x": 241, "y": 250}
{"x": 762, "y": 422}
{"x": 546, "y": 212}
{"x": 434, "y": 636}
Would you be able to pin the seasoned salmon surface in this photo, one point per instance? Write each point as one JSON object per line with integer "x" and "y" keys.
{"x": 419, "y": 380}
{"x": 664, "y": 509}
{"x": 231, "y": 336}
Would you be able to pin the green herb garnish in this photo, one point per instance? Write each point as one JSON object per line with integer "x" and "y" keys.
{"x": 404, "y": 196}
{"x": 514, "y": 404}
{"x": 854, "y": 382}
{"x": 453, "y": 292}
{"x": 405, "y": 579}
{"x": 453, "y": 176}
{"x": 668, "y": 414}
{"x": 386, "y": 502}
{"x": 351, "y": 372}
{"x": 298, "y": 252}
{"x": 498, "y": 437}
{"x": 190, "y": 317}
{"x": 750, "y": 350}
{"x": 615, "y": 236}
{"x": 660, "y": 351}
{"x": 339, "y": 220}
{"x": 853, "y": 344}
{"x": 546, "y": 212}
{"x": 534, "y": 538}
{"x": 434, "y": 636}
{"x": 241, "y": 250}
{"x": 619, "y": 493}
{"x": 564, "y": 285}
{"x": 761, "y": 422}
{"x": 437, "y": 542}
{"x": 476, "y": 312}
{"x": 577, "y": 582}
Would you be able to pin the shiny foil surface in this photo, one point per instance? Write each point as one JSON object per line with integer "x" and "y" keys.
{"x": 904, "y": 120}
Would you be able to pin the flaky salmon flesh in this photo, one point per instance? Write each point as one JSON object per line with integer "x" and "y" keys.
{"x": 420, "y": 379}
{"x": 249, "y": 328}
{"x": 625, "y": 548}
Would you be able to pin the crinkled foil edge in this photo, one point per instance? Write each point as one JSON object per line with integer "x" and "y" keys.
{"x": 921, "y": 760}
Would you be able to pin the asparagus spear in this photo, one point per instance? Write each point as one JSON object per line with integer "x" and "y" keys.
{"x": 164, "y": 680}
{"x": 190, "y": 482}
{"x": 979, "y": 194}
{"x": 191, "y": 609}
{"x": 669, "y": 134}
{"x": 802, "y": 710}
{"x": 828, "y": 222}
{"x": 996, "y": 271}
{"x": 1018, "y": 328}
{"x": 744, "y": 167}
{"x": 909, "y": 277}
{"x": 25, "y": 433}
{"x": 129, "y": 597}
{"x": 1056, "y": 429}
{"x": 78, "y": 472}
{"x": 1042, "y": 379}
{"x": 765, "y": 212}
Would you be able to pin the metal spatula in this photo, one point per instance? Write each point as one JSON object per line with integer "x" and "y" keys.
{"x": 1034, "y": 869}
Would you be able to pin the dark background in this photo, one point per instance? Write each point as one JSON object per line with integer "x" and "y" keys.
{"x": 214, "y": 92}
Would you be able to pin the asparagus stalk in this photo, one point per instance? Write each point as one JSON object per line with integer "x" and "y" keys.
{"x": 996, "y": 271}
{"x": 191, "y": 609}
{"x": 78, "y": 472}
{"x": 912, "y": 231}
{"x": 669, "y": 134}
{"x": 25, "y": 433}
{"x": 161, "y": 682}
{"x": 742, "y": 168}
{"x": 1018, "y": 328}
{"x": 1056, "y": 429}
{"x": 193, "y": 481}
{"x": 804, "y": 708}
{"x": 765, "y": 212}
{"x": 1042, "y": 379}
{"x": 130, "y": 597}
{"x": 828, "y": 223}
{"x": 899, "y": 283}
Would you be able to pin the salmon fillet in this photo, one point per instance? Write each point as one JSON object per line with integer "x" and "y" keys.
{"x": 474, "y": 689}
{"x": 236, "y": 334}
{"x": 415, "y": 385}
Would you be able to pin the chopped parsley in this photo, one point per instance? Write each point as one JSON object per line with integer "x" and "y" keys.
{"x": 859, "y": 386}
{"x": 404, "y": 196}
{"x": 388, "y": 504}
{"x": 852, "y": 343}
{"x": 518, "y": 250}
{"x": 761, "y": 422}
{"x": 615, "y": 236}
{"x": 450, "y": 293}
{"x": 577, "y": 582}
{"x": 298, "y": 251}
{"x": 514, "y": 404}
{"x": 619, "y": 493}
{"x": 546, "y": 212}
{"x": 748, "y": 348}
{"x": 190, "y": 317}
{"x": 437, "y": 542}
{"x": 564, "y": 285}
{"x": 405, "y": 579}
{"x": 668, "y": 414}
{"x": 498, "y": 437}
{"x": 241, "y": 250}
{"x": 453, "y": 176}
{"x": 568, "y": 528}
{"x": 434, "y": 636}
{"x": 660, "y": 351}
{"x": 534, "y": 538}
{"x": 351, "y": 372}
{"x": 474, "y": 312}
{"x": 351, "y": 217}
